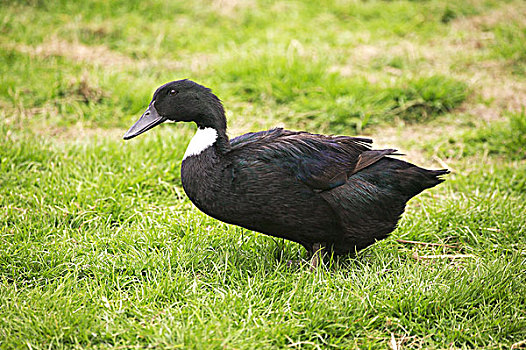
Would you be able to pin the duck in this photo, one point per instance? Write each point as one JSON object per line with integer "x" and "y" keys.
{"x": 331, "y": 194}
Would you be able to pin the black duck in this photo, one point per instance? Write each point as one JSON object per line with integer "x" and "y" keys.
{"x": 329, "y": 193}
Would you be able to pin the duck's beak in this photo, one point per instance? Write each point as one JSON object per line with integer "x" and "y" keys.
{"x": 148, "y": 120}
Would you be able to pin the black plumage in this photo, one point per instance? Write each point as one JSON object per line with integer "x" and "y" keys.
{"x": 325, "y": 192}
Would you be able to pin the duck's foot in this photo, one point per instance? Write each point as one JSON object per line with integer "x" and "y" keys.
{"x": 318, "y": 252}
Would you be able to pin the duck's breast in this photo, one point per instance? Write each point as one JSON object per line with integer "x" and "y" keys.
{"x": 261, "y": 196}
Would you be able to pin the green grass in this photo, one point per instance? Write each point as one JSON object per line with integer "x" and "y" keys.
{"x": 504, "y": 138}
{"x": 100, "y": 248}
{"x": 510, "y": 40}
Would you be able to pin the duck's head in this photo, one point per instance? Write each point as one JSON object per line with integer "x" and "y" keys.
{"x": 181, "y": 101}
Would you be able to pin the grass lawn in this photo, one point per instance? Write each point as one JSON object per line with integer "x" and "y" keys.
{"x": 100, "y": 248}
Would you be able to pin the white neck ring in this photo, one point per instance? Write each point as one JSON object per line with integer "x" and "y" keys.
{"x": 202, "y": 139}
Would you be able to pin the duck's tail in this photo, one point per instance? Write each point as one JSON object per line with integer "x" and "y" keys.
{"x": 418, "y": 179}
{"x": 433, "y": 177}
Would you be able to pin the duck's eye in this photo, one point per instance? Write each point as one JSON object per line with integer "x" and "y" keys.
{"x": 172, "y": 92}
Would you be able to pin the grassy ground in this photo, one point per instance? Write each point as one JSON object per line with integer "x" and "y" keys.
{"x": 100, "y": 248}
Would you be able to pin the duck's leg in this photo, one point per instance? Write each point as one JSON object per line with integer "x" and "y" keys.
{"x": 317, "y": 255}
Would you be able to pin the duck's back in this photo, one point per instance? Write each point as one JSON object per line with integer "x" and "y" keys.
{"x": 305, "y": 187}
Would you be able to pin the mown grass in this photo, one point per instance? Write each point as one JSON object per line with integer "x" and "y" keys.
{"x": 100, "y": 248}
{"x": 505, "y": 138}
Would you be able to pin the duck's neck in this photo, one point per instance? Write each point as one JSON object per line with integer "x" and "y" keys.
{"x": 206, "y": 137}
{"x": 222, "y": 143}
{"x": 209, "y": 134}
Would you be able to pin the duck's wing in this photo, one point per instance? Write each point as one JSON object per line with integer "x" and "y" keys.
{"x": 319, "y": 161}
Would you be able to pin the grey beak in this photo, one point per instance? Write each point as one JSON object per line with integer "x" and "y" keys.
{"x": 148, "y": 120}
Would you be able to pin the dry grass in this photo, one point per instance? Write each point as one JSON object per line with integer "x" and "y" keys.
{"x": 230, "y": 8}
{"x": 456, "y": 55}
{"x": 75, "y": 51}
{"x": 100, "y": 55}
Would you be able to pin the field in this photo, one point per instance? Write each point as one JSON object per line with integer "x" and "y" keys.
{"x": 100, "y": 247}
